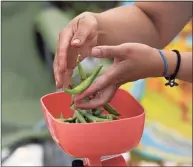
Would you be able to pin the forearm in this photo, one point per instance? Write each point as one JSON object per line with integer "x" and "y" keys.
{"x": 126, "y": 24}
{"x": 185, "y": 71}
{"x": 145, "y": 22}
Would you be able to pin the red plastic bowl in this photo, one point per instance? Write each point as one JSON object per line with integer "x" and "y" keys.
{"x": 95, "y": 139}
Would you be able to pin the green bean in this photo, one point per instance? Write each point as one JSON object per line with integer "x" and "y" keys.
{"x": 86, "y": 116}
{"x": 72, "y": 100}
{"x": 93, "y": 111}
{"x": 81, "y": 73}
{"x": 79, "y": 115}
{"x": 62, "y": 119}
{"x": 114, "y": 117}
{"x": 108, "y": 116}
{"x": 81, "y": 70}
{"x": 111, "y": 109}
{"x": 107, "y": 107}
{"x": 74, "y": 116}
{"x": 92, "y": 118}
{"x": 104, "y": 116}
{"x": 97, "y": 112}
{"x": 77, "y": 121}
{"x": 85, "y": 84}
{"x": 65, "y": 119}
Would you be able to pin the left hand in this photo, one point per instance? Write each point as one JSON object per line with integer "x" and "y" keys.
{"x": 132, "y": 61}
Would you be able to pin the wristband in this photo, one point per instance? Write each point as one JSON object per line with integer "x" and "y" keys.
{"x": 171, "y": 79}
{"x": 165, "y": 62}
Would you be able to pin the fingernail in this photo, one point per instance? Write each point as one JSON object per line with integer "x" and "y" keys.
{"x": 76, "y": 41}
{"x": 96, "y": 52}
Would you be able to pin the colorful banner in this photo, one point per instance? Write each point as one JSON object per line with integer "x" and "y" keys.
{"x": 168, "y": 131}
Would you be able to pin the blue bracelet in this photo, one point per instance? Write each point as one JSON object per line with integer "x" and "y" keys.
{"x": 165, "y": 63}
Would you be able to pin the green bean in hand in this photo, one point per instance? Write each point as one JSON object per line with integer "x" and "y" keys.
{"x": 87, "y": 116}
{"x": 85, "y": 84}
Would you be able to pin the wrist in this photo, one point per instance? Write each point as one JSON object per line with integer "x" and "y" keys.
{"x": 100, "y": 28}
{"x": 171, "y": 61}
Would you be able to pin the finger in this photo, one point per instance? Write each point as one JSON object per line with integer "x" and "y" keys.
{"x": 57, "y": 75}
{"x": 58, "y": 85}
{"x": 81, "y": 33}
{"x": 119, "y": 52}
{"x": 64, "y": 42}
{"x": 67, "y": 78}
{"x": 100, "y": 100}
{"x": 97, "y": 86}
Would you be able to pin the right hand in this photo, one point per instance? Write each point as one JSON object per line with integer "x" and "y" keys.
{"x": 132, "y": 61}
{"x": 78, "y": 37}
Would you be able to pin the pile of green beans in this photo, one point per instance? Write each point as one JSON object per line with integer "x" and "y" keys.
{"x": 93, "y": 115}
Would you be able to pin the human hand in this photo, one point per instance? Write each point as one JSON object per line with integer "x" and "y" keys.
{"x": 132, "y": 61}
{"x": 78, "y": 37}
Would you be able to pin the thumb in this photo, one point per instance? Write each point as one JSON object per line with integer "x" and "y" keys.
{"x": 109, "y": 52}
{"x": 80, "y": 35}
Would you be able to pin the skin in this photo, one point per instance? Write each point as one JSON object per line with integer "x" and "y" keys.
{"x": 133, "y": 61}
{"x": 145, "y": 22}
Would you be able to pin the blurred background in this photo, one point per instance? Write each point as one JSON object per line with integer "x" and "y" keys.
{"x": 29, "y": 35}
